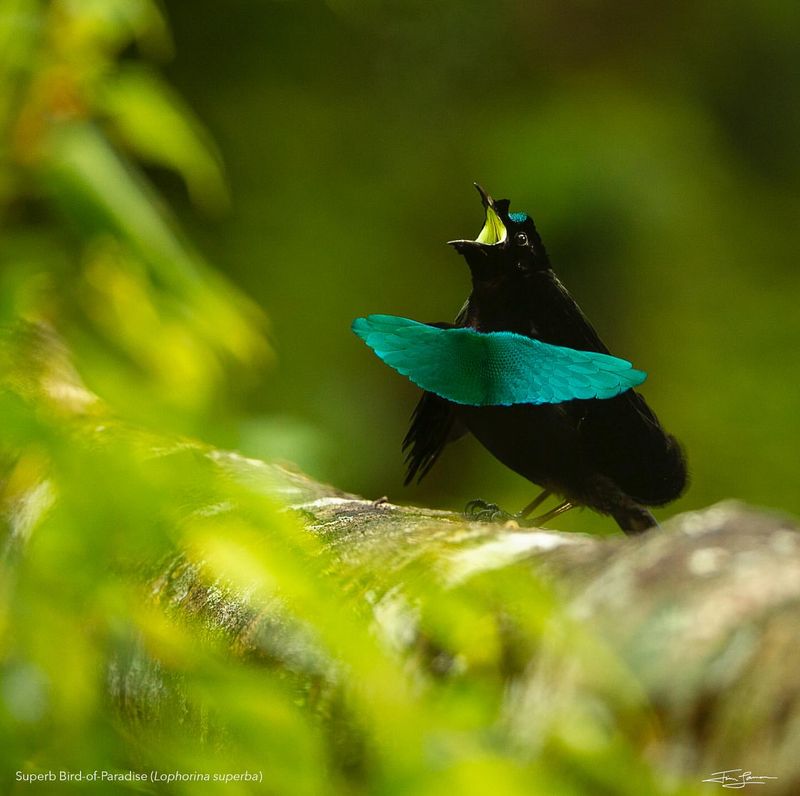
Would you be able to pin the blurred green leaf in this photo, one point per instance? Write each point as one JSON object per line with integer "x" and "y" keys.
{"x": 153, "y": 122}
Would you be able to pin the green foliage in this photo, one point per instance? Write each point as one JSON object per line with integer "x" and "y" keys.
{"x": 119, "y": 343}
{"x": 88, "y": 246}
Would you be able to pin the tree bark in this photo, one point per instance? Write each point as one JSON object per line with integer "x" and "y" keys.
{"x": 704, "y": 612}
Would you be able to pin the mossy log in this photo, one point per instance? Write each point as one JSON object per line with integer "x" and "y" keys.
{"x": 703, "y": 612}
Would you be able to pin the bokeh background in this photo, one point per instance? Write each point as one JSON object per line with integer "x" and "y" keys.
{"x": 654, "y": 144}
{"x": 196, "y": 199}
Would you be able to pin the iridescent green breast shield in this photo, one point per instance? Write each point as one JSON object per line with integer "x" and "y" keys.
{"x": 493, "y": 369}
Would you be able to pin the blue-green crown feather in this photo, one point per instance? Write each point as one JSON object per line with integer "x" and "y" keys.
{"x": 493, "y": 368}
{"x": 518, "y": 218}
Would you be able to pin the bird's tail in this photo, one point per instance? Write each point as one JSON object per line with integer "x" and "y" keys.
{"x": 630, "y": 446}
{"x": 634, "y": 519}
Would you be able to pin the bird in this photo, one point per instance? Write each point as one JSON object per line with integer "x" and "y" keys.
{"x": 524, "y": 371}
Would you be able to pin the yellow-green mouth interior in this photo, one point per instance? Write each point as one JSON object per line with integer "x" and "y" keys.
{"x": 494, "y": 230}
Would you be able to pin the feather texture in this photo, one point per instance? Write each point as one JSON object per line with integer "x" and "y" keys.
{"x": 469, "y": 367}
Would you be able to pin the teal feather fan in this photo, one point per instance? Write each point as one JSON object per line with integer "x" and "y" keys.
{"x": 494, "y": 368}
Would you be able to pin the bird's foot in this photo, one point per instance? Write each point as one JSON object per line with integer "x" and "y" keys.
{"x": 481, "y": 511}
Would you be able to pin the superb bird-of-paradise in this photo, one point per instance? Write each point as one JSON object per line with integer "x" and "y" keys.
{"x": 524, "y": 371}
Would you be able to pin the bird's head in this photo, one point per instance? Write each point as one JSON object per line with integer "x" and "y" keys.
{"x": 507, "y": 245}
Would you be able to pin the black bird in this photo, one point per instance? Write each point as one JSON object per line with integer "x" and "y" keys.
{"x": 610, "y": 454}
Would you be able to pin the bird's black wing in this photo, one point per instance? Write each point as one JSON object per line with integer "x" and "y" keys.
{"x": 567, "y": 324}
{"x": 622, "y": 436}
{"x": 433, "y": 425}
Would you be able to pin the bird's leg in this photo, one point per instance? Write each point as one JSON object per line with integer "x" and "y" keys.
{"x": 535, "y": 503}
{"x": 481, "y": 511}
{"x": 550, "y": 515}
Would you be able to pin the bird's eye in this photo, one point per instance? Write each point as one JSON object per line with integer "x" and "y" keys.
{"x": 521, "y": 239}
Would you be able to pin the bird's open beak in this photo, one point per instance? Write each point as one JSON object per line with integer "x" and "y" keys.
{"x": 494, "y": 230}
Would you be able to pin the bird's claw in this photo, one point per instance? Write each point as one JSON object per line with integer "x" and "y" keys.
{"x": 481, "y": 511}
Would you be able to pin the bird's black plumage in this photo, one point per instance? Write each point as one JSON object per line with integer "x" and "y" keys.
{"x": 610, "y": 455}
